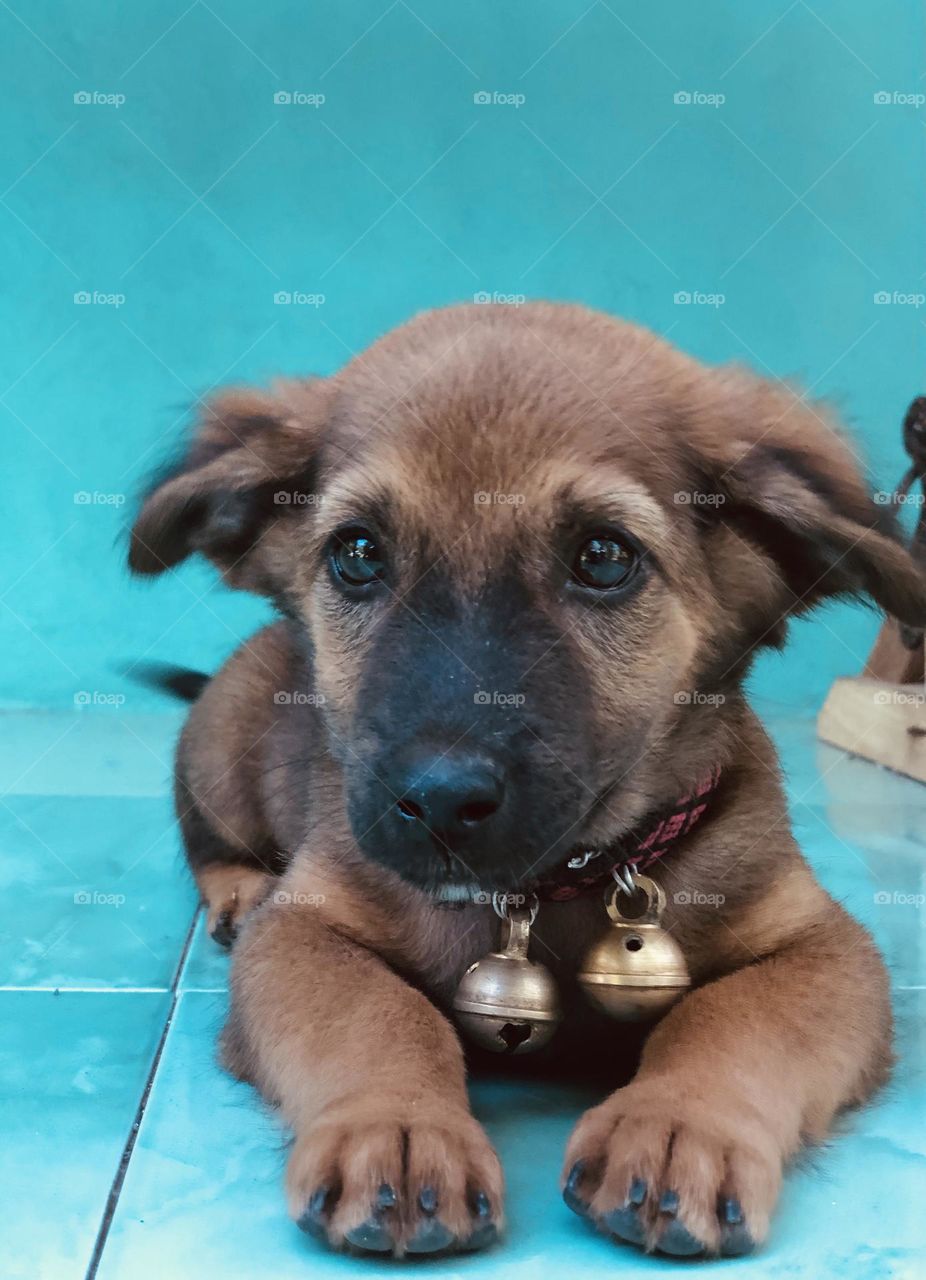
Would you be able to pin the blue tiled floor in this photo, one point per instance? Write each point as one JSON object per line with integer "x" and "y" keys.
{"x": 97, "y": 960}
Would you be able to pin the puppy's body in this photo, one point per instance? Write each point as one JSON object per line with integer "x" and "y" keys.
{"x": 539, "y": 553}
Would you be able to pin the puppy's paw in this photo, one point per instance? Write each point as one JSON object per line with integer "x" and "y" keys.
{"x": 229, "y": 893}
{"x": 663, "y": 1170}
{"x": 386, "y": 1181}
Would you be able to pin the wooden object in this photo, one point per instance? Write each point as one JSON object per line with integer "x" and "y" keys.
{"x": 881, "y": 715}
{"x": 878, "y": 720}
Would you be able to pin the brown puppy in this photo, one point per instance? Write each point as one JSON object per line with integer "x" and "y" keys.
{"x": 523, "y": 560}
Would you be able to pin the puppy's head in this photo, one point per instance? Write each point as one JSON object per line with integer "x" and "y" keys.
{"x": 532, "y": 551}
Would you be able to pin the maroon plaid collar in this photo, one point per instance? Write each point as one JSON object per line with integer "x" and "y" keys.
{"x": 636, "y": 851}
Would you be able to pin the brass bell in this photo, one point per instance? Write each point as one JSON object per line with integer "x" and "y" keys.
{"x": 505, "y": 1002}
{"x": 635, "y": 971}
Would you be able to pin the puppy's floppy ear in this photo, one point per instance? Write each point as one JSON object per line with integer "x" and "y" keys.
{"x": 250, "y": 458}
{"x": 793, "y": 490}
{"x": 826, "y": 539}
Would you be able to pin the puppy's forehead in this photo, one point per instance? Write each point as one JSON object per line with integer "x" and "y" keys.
{"x": 477, "y": 400}
{"x": 552, "y": 490}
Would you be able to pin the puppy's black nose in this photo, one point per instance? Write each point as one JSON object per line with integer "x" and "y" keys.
{"x": 449, "y": 795}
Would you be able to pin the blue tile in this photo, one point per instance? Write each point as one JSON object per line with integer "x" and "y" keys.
{"x": 206, "y": 967}
{"x": 72, "y": 1069}
{"x": 862, "y": 829}
{"x": 203, "y": 1194}
{"x": 92, "y": 752}
{"x": 98, "y": 892}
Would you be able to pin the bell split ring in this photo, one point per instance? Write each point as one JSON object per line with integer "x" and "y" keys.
{"x": 636, "y": 970}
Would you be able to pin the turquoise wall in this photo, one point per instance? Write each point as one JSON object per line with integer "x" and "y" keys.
{"x": 182, "y": 198}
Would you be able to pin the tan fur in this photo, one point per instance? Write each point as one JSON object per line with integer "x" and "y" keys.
{"x": 343, "y": 974}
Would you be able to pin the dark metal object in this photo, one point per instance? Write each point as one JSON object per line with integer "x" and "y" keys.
{"x": 914, "y": 440}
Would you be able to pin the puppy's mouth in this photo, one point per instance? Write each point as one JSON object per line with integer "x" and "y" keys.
{"x": 448, "y": 877}
{"x": 459, "y": 875}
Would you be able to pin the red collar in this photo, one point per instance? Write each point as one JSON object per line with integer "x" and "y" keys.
{"x": 637, "y": 850}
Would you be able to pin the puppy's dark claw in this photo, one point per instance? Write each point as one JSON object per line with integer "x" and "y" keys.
{"x": 225, "y": 930}
{"x": 312, "y": 1221}
{"x": 668, "y": 1203}
{"x": 481, "y": 1238}
{"x": 385, "y": 1197}
{"x": 736, "y": 1238}
{"x": 485, "y": 1233}
{"x": 736, "y": 1242}
{"x": 431, "y": 1237}
{"x": 482, "y": 1207}
{"x": 571, "y": 1195}
{"x": 678, "y": 1241}
{"x": 732, "y": 1212}
{"x": 637, "y": 1193}
{"x": 371, "y": 1236}
{"x": 374, "y": 1236}
{"x": 625, "y": 1224}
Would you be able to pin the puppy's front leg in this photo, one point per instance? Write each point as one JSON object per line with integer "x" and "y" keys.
{"x": 387, "y": 1156}
{"x": 688, "y": 1158}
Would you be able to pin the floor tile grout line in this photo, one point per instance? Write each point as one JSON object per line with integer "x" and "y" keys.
{"x": 180, "y": 967}
{"x": 115, "y": 1190}
{"x": 62, "y": 990}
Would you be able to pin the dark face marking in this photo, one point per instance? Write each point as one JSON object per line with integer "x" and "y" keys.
{"x": 474, "y": 731}
{"x": 487, "y": 667}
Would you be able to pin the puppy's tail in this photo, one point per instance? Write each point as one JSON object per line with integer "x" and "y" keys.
{"x": 181, "y": 682}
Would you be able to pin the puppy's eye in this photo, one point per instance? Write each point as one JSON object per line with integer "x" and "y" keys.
{"x": 604, "y": 562}
{"x": 356, "y": 558}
